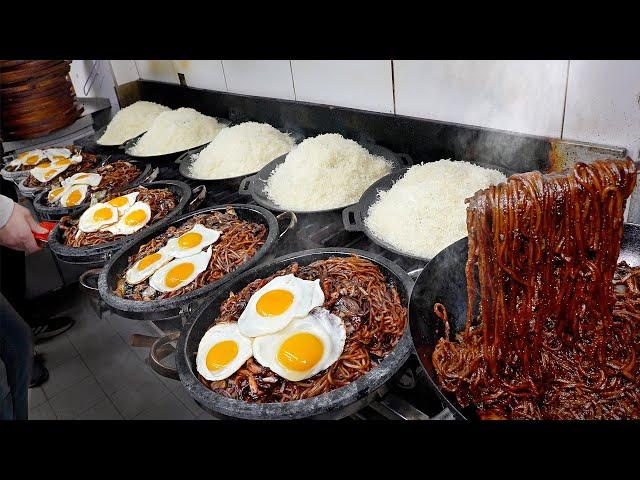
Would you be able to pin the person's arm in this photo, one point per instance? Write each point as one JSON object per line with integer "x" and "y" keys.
{"x": 17, "y": 226}
{"x": 6, "y": 209}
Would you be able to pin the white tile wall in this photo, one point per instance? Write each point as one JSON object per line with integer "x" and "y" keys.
{"x": 94, "y": 78}
{"x": 263, "y": 78}
{"x": 603, "y": 103}
{"x": 205, "y": 74}
{"x": 125, "y": 71}
{"x": 159, "y": 70}
{"x": 519, "y": 96}
{"x": 361, "y": 84}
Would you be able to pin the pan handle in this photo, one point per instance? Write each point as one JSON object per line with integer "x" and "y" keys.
{"x": 245, "y": 185}
{"x": 94, "y": 272}
{"x": 199, "y": 193}
{"x": 160, "y": 349}
{"x": 293, "y": 221}
{"x": 405, "y": 159}
{"x": 351, "y": 219}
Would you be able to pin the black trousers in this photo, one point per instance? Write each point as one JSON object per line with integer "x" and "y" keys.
{"x": 16, "y": 353}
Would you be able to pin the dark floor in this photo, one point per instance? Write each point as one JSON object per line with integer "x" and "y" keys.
{"x": 94, "y": 372}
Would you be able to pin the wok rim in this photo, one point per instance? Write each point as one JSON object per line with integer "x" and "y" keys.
{"x": 328, "y": 403}
{"x": 141, "y": 307}
{"x": 84, "y": 256}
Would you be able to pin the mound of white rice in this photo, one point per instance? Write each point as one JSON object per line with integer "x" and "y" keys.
{"x": 324, "y": 172}
{"x": 424, "y": 211}
{"x": 177, "y": 130}
{"x": 130, "y": 122}
{"x": 241, "y": 150}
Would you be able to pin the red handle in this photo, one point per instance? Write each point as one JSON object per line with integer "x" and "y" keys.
{"x": 43, "y": 237}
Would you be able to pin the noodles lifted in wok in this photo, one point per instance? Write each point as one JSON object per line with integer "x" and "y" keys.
{"x": 354, "y": 290}
{"x": 558, "y": 329}
{"x": 238, "y": 243}
{"x": 160, "y": 200}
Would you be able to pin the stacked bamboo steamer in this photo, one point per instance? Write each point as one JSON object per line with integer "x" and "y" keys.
{"x": 36, "y": 98}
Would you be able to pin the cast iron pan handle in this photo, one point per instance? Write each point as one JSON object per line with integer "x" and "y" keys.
{"x": 293, "y": 220}
{"x": 405, "y": 159}
{"x": 94, "y": 272}
{"x": 199, "y": 193}
{"x": 245, "y": 185}
{"x": 351, "y": 219}
{"x": 161, "y": 349}
{"x": 153, "y": 175}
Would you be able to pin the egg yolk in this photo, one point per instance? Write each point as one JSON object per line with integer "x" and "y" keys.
{"x": 118, "y": 201}
{"x": 74, "y": 198}
{"x": 189, "y": 240}
{"x": 22, "y": 155}
{"x": 45, "y": 164}
{"x": 221, "y": 354}
{"x": 102, "y": 214}
{"x": 178, "y": 274}
{"x": 80, "y": 177}
{"x": 32, "y": 160}
{"x": 50, "y": 173}
{"x": 55, "y": 192}
{"x": 61, "y": 161}
{"x": 135, "y": 218}
{"x": 149, "y": 260}
{"x": 300, "y": 352}
{"x": 274, "y": 302}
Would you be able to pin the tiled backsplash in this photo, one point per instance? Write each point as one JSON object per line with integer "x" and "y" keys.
{"x": 602, "y": 98}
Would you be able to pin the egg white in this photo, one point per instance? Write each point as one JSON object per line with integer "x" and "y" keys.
{"x": 121, "y": 227}
{"x": 131, "y": 199}
{"x": 307, "y": 294}
{"x": 67, "y": 193}
{"x": 200, "y": 261}
{"x": 87, "y": 223}
{"x": 57, "y": 152}
{"x": 134, "y": 275}
{"x": 209, "y": 236}
{"x": 53, "y": 198}
{"x": 83, "y": 178}
{"x": 328, "y": 328}
{"x": 22, "y": 158}
{"x": 216, "y": 334}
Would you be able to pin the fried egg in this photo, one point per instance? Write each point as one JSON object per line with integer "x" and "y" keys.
{"x": 84, "y": 178}
{"x": 32, "y": 157}
{"x": 60, "y": 161}
{"x": 180, "y": 272}
{"x": 47, "y": 171}
{"x": 97, "y": 216}
{"x": 123, "y": 202}
{"x": 55, "y": 193}
{"x": 74, "y": 195}
{"x": 281, "y": 300}
{"x": 133, "y": 220}
{"x": 222, "y": 351}
{"x": 146, "y": 266}
{"x": 192, "y": 242}
{"x": 57, "y": 152}
{"x": 305, "y": 347}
